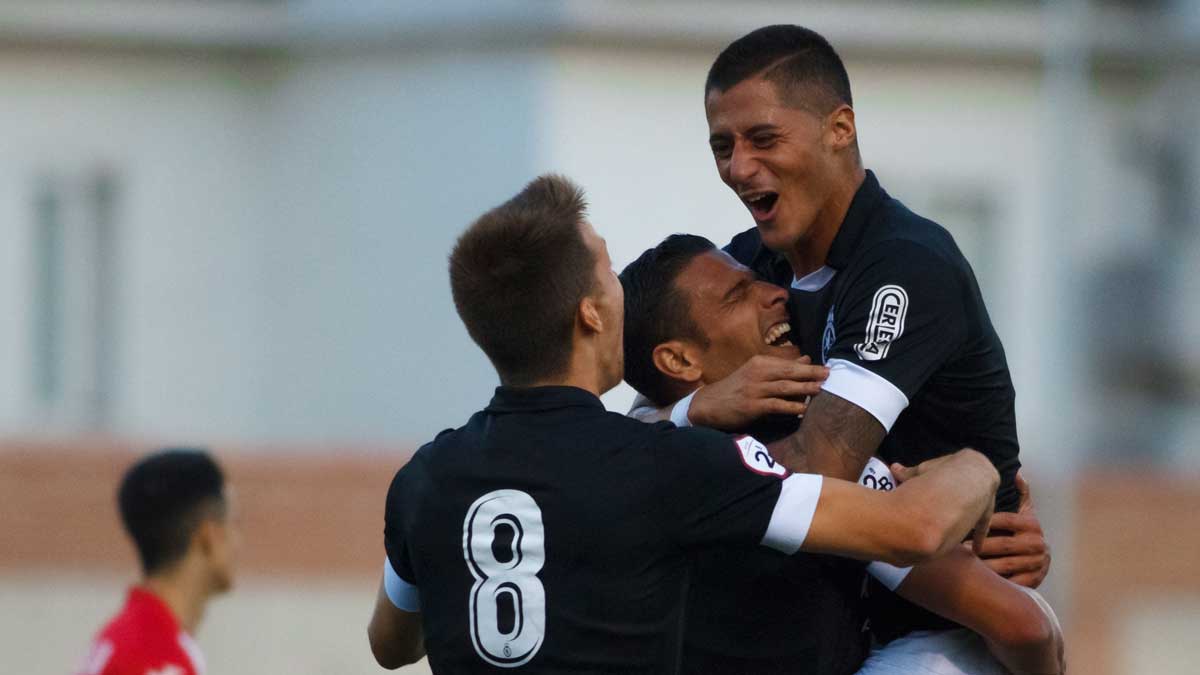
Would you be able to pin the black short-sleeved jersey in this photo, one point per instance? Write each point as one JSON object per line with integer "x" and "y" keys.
{"x": 897, "y": 315}
{"x": 551, "y": 536}
{"x": 758, "y": 611}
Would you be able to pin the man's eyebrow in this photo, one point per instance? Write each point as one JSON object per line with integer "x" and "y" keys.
{"x": 756, "y": 129}
{"x": 766, "y": 126}
{"x": 718, "y": 136}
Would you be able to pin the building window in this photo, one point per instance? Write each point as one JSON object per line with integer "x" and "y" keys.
{"x": 74, "y": 286}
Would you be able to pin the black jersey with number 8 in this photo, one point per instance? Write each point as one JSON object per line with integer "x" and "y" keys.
{"x": 551, "y": 536}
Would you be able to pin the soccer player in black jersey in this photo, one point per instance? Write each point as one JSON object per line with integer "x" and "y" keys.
{"x": 693, "y": 315}
{"x": 551, "y": 536}
{"x": 888, "y": 301}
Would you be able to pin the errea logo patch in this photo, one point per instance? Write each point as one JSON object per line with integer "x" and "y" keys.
{"x": 886, "y": 323}
{"x": 758, "y": 459}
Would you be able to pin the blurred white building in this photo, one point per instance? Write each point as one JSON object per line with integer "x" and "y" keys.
{"x": 230, "y": 219}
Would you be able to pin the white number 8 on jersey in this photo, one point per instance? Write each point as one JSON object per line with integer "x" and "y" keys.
{"x": 513, "y": 580}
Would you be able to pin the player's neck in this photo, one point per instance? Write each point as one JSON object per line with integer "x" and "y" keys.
{"x": 581, "y": 380}
{"x": 184, "y": 592}
{"x": 811, "y": 252}
{"x": 583, "y": 372}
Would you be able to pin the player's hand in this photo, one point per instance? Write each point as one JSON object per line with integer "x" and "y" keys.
{"x": 1016, "y": 549}
{"x": 907, "y": 473}
{"x": 764, "y": 385}
{"x": 977, "y": 461}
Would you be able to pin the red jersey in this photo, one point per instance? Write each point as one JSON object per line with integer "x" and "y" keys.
{"x": 144, "y": 639}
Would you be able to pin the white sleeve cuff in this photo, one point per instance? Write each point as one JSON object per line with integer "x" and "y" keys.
{"x": 402, "y": 594}
{"x": 888, "y": 575}
{"x": 679, "y": 413}
{"x": 793, "y": 512}
{"x": 867, "y": 390}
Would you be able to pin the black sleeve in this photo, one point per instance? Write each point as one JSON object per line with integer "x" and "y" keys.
{"x": 900, "y": 318}
{"x": 397, "y": 515}
{"x": 719, "y": 489}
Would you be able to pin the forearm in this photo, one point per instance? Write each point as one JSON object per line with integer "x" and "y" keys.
{"x": 946, "y": 502}
{"x": 959, "y": 587}
{"x": 1042, "y": 651}
{"x": 836, "y": 439}
{"x": 396, "y": 637}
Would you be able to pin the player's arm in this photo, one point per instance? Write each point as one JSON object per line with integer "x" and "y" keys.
{"x": 1017, "y": 549}
{"x": 764, "y": 385}
{"x": 395, "y": 634}
{"x": 836, "y": 439}
{"x": 1020, "y": 628}
{"x": 899, "y": 319}
{"x": 938, "y": 504}
{"x": 717, "y": 490}
{"x": 837, "y": 436}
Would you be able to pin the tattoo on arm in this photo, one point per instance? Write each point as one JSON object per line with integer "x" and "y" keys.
{"x": 836, "y": 439}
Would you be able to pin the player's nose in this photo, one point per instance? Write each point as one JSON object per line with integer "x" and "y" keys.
{"x": 771, "y": 295}
{"x": 742, "y": 165}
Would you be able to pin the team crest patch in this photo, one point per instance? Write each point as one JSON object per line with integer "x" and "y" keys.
{"x": 828, "y": 337}
{"x": 885, "y": 324}
{"x": 758, "y": 459}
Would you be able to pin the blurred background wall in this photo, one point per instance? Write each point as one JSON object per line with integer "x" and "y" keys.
{"x": 226, "y": 223}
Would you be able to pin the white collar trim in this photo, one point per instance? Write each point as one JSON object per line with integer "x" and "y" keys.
{"x": 814, "y": 281}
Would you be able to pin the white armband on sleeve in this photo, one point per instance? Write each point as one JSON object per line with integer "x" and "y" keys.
{"x": 402, "y": 594}
{"x": 877, "y": 476}
{"x": 793, "y": 512}
{"x": 865, "y": 389}
{"x": 888, "y": 575}
{"x": 679, "y": 413}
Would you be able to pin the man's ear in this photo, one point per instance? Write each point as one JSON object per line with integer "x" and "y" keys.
{"x": 208, "y": 531}
{"x": 840, "y": 129}
{"x": 589, "y": 316}
{"x": 678, "y": 360}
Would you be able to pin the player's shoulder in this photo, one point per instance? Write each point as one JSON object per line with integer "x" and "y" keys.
{"x": 905, "y": 237}
{"x": 447, "y": 442}
{"x": 672, "y": 439}
{"x": 413, "y": 475}
{"x": 130, "y": 645}
{"x": 744, "y": 246}
{"x": 664, "y": 437}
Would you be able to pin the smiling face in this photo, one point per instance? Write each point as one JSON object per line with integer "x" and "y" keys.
{"x": 783, "y": 161}
{"x": 740, "y": 315}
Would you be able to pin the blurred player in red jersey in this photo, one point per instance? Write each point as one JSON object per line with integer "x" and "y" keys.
{"x": 175, "y": 507}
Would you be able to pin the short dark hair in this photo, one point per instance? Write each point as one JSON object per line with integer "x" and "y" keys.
{"x": 164, "y": 497}
{"x": 656, "y": 310}
{"x": 803, "y": 66}
{"x": 518, "y": 274}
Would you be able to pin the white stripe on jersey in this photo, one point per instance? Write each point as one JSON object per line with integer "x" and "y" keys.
{"x": 97, "y": 658}
{"x": 402, "y": 594}
{"x": 868, "y": 390}
{"x": 877, "y": 476}
{"x": 793, "y": 512}
{"x": 193, "y": 652}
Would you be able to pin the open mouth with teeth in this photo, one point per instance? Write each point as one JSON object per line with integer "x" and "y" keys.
{"x": 761, "y": 204}
{"x": 779, "y": 335}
